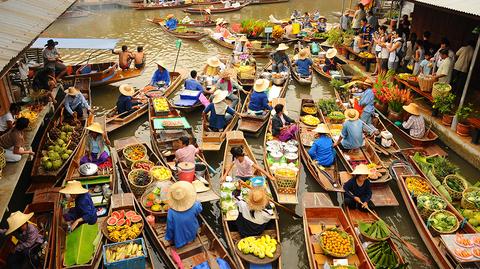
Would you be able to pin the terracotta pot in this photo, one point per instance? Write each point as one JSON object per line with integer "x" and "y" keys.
{"x": 382, "y": 107}
{"x": 463, "y": 129}
{"x": 447, "y": 119}
{"x": 394, "y": 116}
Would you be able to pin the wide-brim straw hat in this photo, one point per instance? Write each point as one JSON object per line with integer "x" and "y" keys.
{"x": 282, "y": 46}
{"x": 74, "y": 187}
{"x": 126, "y": 89}
{"x": 51, "y": 42}
{"x": 181, "y": 196}
{"x": 16, "y": 220}
{"x": 95, "y": 127}
{"x": 412, "y": 108}
{"x": 227, "y": 73}
{"x": 261, "y": 85}
{"x": 160, "y": 63}
{"x": 361, "y": 169}
{"x": 72, "y": 91}
{"x": 332, "y": 52}
{"x": 219, "y": 21}
{"x": 257, "y": 199}
{"x": 219, "y": 96}
{"x": 169, "y": 16}
{"x": 303, "y": 54}
{"x": 322, "y": 18}
{"x": 213, "y": 61}
{"x": 351, "y": 114}
{"x": 199, "y": 186}
{"x": 243, "y": 39}
{"x": 321, "y": 129}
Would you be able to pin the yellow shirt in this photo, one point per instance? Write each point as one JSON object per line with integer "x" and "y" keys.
{"x": 212, "y": 71}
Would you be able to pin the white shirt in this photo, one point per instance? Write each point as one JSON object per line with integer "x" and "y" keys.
{"x": 444, "y": 69}
{"x": 464, "y": 58}
{"x": 259, "y": 217}
{"x": 3, "y": 121}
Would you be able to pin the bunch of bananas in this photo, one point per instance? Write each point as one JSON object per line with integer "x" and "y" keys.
{"x": 124, "y": 232}
{"x": 260, "y": 247}
{"x": 122, "y": 252}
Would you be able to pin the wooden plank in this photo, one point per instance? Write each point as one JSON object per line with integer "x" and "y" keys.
{"x": 316, "y": 199}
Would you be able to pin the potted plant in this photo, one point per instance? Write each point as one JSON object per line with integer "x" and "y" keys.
{"x": 463, "y": 127}
{"x": 445, "y": 105}
{"x": 335, "y": 38}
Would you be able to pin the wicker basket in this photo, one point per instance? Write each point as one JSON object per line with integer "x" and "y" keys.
{"x": 128, "y": 149}
{"x": 284, "y": 181}
{"x": 141, "y": 161}
{"x": 326, "y": 252}
{"x": 465, "y": 203}
{"x": 439, "y": 92}
{"x": 436, "y": 232}
{"x": 456, "y": 195}
{"x": 426, "y": 212}
{"x": 426, "y": 83}
{"x": 157, "y": 168}
{"x": 136, "y": 189}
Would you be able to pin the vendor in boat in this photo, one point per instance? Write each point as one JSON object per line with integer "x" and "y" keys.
{"x": 258, "y": 104}
{"x": 358, "y": 192}
{"x": 213, "y": 68}
{"x": 304, "y": 63}
{"x": 13, "y": 141}
{"x": 253, "y": 216}
{"x": 322, "y": 149}
{"x": 244, "y": 166}
{"x": 241, "y": 46}
{"x": 351, "y": 136}
{"x": 161, "y": 75}
{"x": 207, "y": 15}
{"x": 283, "y": 127}
{"x": 84, "y": 210}
{"x": 280, "y": 59}
{"x": 96, "y": 145}
{"x": 227, "y": 84}
{"x": 186, "y": 152}
{"x": 415, "y": 125}
{"x": 125, "y": 57}
{"x": 322, "y": 24}
{"x": 222, "y": 29}
{"x": 26, "y": 252}
{"x": 367, "y": 101}
{"x": 182, "y": 222}
{"x": 44, "y": 79}
{"x": 125, "y": 102}
{"x": 52, "y": 59}
{"x": 75, "y": 102}
{"x": 330, "y": 61}
{"x": 171, "y": 22}
{"x": 220, "y": 113}
{"x": 192, "y": 83}
{"x": 8, "y": 119}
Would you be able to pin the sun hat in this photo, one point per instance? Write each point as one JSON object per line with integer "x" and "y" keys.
{"x": 322, "y": 17}
{"x": 412, "y": 108}
{"x": 282, "y": 46}
{"x": 321, "y": 129}
{"x": 243, "y": 39}
{"x": 181, "y": 196}
{"x": 361, "y": 169}
{"x": 227, "y": 73}
{"x": 16, "y": 220}
{"x": 72, "y": 91}
{"x": 50, "y": 42}
{"x": 257, "y": 199}
{"x": 219, "y": 21}
{"x": 332, "y": 52}
{"x": 160, "y": 63}
{"x": 169, "y": 16}
{"x": 199, "y": 186}
{"x": 351, "y": 114}
{"x": 219, "y": 96}
{"x": 73, "y": 187}
{"x": 261, "y": 85}
{"x": 213, "y": 61}
{"x": 303, "y": 54}
{"x": 208, "y": 11}
{"x": 95, "y": 127}
{"x": 126, "y": 89}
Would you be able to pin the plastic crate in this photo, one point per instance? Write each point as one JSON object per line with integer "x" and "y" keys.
{"x": 190, "y": 95}
{"x": 131, "y": 263}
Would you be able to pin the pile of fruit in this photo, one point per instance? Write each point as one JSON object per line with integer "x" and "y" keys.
{"x": 405, "y": 76}
{"x": 123, "y": 225}
{"x": 443, "y": 221}
{"x": 262, "y": 247}
{"x": 140, "y": 177}
{"x": 122, "y": 252}
{"x": 309, "y": 110}
{"x": 382, "y": 255}
{"x": 473, "y": 217}
{"x": 461, "y": 240}
{"x": 366, "y": 54}
{"x": 153, "y": 202}
{"x": 374, "y": 172}
{"x": 277, "y": 32}
{"x": 160, "y": 104}
{"x": 143, "y": 164}
{"x": 337, "y": 243}
{"x": 310, "y": 120}
{"x": 172, "y": 123}
{"x": 30, "y": 115}
{"x": 135, "y": 152}
{"x": 227, "y": 202}
{"x": 377, "y": 230}
{"x": 61, "y": 143}
{"x": 417, "y": 185}
{"x": 463, "y": 254}
{"x": 430, "y": 202}
{"x": 473, "y": 197}
{"x": 336, "y": 116}
{"x": 160, "y": 173}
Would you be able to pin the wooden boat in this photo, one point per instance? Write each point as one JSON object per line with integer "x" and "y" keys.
{"x": 328, "y": 177}
{"x": 247, "y": 80}
{"x": 262, "y": 2}
{"x": 39, "y": 174}
{"x": 142, "y": 6}
{"x": 252, "y": 124}
{"x": 214, "y": 10}
{"x": 302, "y": 80}
{"x": 115, "y": 120}
{"x": 443, "y": 258}
{"x": 191, "y": 254}
{"x": 199, "y": 23}
{"x": 256, "y": 52}
{"x": 319, "y": 214}
{"x": 236, "y": 139}
{"x": 317, "y": 62}
{"x": 188, "y": 34}
{"x": 103, "y": 73}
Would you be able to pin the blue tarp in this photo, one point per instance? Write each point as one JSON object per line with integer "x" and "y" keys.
{"x": 78, "y": 43}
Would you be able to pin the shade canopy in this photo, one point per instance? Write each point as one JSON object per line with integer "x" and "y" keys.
{"x": 78, "y": 43}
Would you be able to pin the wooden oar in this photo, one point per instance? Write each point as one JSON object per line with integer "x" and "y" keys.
{"x": 211, "y": 261}
{"x": 205, "y": 163}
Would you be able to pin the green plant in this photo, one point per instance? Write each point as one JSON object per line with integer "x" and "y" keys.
{"x": 327, "y": 105}
{"x": 395, "y": 106}
{"x": 336, "y": 83}
{"x": 336, "y": 116}
{"x": 444, "y": 104}
{"x": 335, "y": 36}
{"x": 464, "y": 112}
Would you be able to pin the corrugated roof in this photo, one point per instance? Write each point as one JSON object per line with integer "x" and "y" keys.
{"x": 22, "y": 21}
{"x": 471, "y": 7}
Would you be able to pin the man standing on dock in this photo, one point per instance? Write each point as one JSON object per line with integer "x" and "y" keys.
{"x": 52, "y": 59}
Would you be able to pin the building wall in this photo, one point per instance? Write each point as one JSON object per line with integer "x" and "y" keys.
{"x": 5, "y": 98}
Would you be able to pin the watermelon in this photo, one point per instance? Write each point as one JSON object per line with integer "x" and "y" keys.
{"x": 130, "y": 214}
{"x": 116, "y": 215}
{"x": 136, "y": 219}
{"x": 122, "y": 214}
{"x": 121, "y": 222}
{"x": 112, "y": 221}
{"x": 128, "y": 222}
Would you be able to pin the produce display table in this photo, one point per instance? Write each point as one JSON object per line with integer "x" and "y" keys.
{"x": 448, "y": 241}
{"x": 427, "y": 95}
{"x": 158, "y": 123}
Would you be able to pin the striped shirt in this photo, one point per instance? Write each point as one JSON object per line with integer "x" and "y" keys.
{"x": 416, "y": 125}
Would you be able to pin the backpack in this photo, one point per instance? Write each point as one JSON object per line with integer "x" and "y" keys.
{"x": 400, "y": 52}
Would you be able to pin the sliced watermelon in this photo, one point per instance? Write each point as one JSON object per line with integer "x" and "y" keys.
{"x": 122, "y": 214}
{"x": 116, "y": 214}
{"x": 112, "y": 221}
{"x": 121, "y": 222}
{"x": 128, "y": 222}
{"x": 130, "y": 214}
{"x": 136, "y": 219}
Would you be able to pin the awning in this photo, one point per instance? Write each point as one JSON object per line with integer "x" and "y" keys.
{"x": 78, "y": 43}
{"x": 471, "y": 7}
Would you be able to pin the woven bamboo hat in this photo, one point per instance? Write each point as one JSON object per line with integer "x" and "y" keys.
{"x": 282, "y": 46}
{"x": 361, "y": 169}
{"x": 73, "y": 187}
{"x": 181, "y": 196}
{"x": 257, "y": 199}
{"x": 351, "y": 114}
{"x": 219, "y": 96}
{"x": 159, "y": 63}
{"x": 303, "y": 54}
{"x": 243, "y": 39}
{"x": 321, "y": 129}
{"x": 261, "y": 85}
{"x": 219, "y": 21}
{"x": 227, "y": 73}
{"x": 95, "y": 127}
{"x": 412, "y": 108}
{"x": 72, "y": 91}
{"x": 16, "y": 220}
{"x": 213, "y": 61}
{"x": 126, "y": 89}
{"x": 332, "y": 52}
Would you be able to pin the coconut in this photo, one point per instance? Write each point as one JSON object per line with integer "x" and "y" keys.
{"x": 65, "y": 156}
{"x": 56, "y": 164}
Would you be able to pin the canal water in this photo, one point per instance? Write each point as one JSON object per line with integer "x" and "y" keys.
{"x": 132, "y": 29}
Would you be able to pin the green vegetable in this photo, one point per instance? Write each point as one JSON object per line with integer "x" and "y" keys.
{"x": 327, "y": 105}
{"x": 336, "y": 116}
{"x": 444, "y": 221}
{"x": 80, "y": 245}
{"x": 430, "y": 201}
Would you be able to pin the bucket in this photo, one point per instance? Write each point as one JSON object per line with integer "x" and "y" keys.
{"x": 258, "y": 181}
{"x": 200, "y": 169}
{"x": 186, "y": 171}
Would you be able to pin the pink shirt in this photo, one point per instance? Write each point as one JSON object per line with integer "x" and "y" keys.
{"x": 245, "y": 168}
{"x": 186, "y": 154}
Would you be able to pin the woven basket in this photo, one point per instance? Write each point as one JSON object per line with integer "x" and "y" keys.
{"x": 128, "y": 149}
{"x": 426, "y": 83}
{"x": 436, "y": 232}
{"x": 456, "y": 195}
{"x": 465, "y": 203}
{"x": 136, "y": 189}
{"x": 326, "y": 252}
{"x": 438, "y": 92}
{"x": 141, "y": 161}
{"x": 426, "y": 212}
{"x": 160, "y": 179}
{"x": 3, "y": 161}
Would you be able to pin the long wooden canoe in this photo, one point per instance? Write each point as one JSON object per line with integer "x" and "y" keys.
{"x": 141, "y": 6}
{"x": 262, "y": 2}
{"x": 39, "y": 174}
{"x": 188, "y": 34}
{"x": 319, "y": 214}
{"x": 115, "y": 120}
{"x": 256, "y": 52}
{"x": 236, "y": 139}
{"x": 305, "y": 81}
{"x": 443, "y": 259}
{"x": 214, "y": 10}
{"x": 104, "y": 73}
{"x": 317, "y": 62}
{"x": 191, "y": 254}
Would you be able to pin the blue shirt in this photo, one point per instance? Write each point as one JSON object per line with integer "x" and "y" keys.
{"x": 322, "y": 151}
{"x": 367, "y": 101}
{"x": 182, "y": 227}
{"x": 171, "y": 24}
{"x": 217, "y": 121}
{"x": 124, "y": 103}
{"x": 193, "y": 85}
{"x": 352, "y": 134}
{"x": 426, "y": 68}
{"x": 303, "y": 66}
{"x": 72, "y": 102}
{"x": 84, "y": 208}
{"x": 160, "y": 76}
{"x": 259, "y": 101}
{"x": 364, "y": 192}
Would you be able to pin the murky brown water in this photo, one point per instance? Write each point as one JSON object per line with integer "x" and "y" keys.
{"x": 132, "y": 28}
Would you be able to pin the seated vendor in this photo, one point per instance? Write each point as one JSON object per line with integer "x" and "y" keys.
{"x": 161, "y": 75}
{"x": 283, "y": 127}
{"x": 322, "y": 149}
{"x": 212, "y": 69}
{"x": 192, "y": 83}
{"x": 280, "y": 60}
{"x": 171, "y": 23}
{"x": 126, "y": 103}
{"x": 220, "y": 113}
{"x": 359, "y": 44}
{"x": 186, "y": 152}
{"x": 244, "y": 166}
{"x": 303, "y": 63}
{"x": 13, "y": 141}
{"x": 415, "y": 125}
{"x": 253, "y": 218}
{"x": 258, "y": 104}
{"x": 75, "y": 102}
{"x": 351, "y": 136}
{"x": 358, "y": 191}
{"x": 330, "y": 61}
{"x": 322, "y": 24}
{"x": 44, "y": 79}
{"x": 227, "y": 84}
{"x": 8, "y": 119}
{"x": 96, "y": 148}
{"x": 84, "y": 210}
